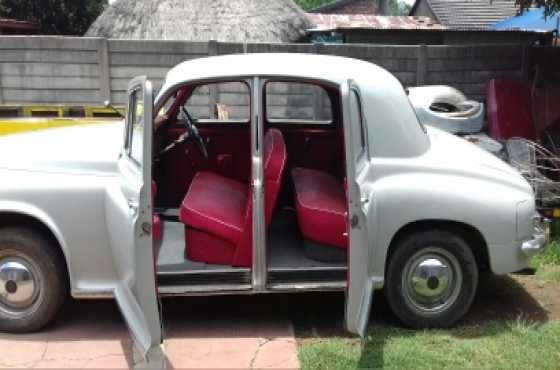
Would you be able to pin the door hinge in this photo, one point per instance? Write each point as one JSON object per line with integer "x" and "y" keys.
{"x": 146, "y": 228}
{"x": 354, "y": 221}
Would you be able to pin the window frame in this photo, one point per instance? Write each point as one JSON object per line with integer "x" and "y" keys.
{"x": 212, "y": 122}
{"x": 364, "y": 154}
{"x": 295, "y": 122}
{"x": 130, "y": 126}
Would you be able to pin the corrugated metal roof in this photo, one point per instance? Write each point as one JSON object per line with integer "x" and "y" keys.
{"x": 471, "y": 14}
{"x": 331, "y": 22}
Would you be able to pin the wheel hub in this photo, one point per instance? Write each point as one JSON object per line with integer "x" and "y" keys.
{"x": 432, "y": 280}
{"x": 18, "y": 284}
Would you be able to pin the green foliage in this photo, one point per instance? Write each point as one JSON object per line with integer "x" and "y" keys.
{"x": 310, "y": 4}
{"x": 550, "y": 6}
{"x": 397, "y": 7}
{"x": 547, "y": 263}
{"x": 56, "y": 17}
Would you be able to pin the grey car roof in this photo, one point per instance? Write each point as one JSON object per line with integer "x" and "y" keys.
{"x": 394, "y": 128}
{"x": 333, "y": 69}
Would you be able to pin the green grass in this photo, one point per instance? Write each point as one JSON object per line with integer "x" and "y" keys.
{"x": 500, "y": 345}
{"x": 547, "y": 264}
{"x": 496, "y": 345}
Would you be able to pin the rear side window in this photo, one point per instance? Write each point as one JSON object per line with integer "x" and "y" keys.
{"x": 135, "y": 118}
{"x": 358, "y": 132}
{"x": 224, "y": 102}
{"x": 297, "y": 102}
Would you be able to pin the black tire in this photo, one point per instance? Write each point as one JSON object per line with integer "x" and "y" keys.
{"x": 44, "y": 259}
{"x": 401, "y": 292}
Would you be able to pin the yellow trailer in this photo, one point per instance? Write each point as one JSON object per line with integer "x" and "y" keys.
{"x": 15, "y": 125}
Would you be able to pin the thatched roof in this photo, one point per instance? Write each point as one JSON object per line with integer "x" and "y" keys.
{"x": 203, "y": 20}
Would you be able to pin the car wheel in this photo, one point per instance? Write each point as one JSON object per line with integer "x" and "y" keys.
{"x": 33, "y": 282}
{"x": 432, "y": 279}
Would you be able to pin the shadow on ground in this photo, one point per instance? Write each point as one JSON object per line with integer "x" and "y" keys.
{"x": 314, "y": 315}
{"x": 500, "y": 300}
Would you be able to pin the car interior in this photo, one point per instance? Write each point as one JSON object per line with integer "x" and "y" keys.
{"x": 203, "y": 201}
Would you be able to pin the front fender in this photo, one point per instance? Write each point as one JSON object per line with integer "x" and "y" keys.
{"x": 399, "y": 200}
{"x": 38, "y": 214}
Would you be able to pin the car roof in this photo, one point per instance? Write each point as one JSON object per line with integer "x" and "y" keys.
{"x": 327, "y": 68}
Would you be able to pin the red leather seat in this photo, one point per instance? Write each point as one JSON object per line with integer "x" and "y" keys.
{"x": 321, "y": 207}
{"x": 217, "y": 211}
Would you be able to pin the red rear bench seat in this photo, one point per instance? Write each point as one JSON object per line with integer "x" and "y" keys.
{"x": 321, "y": 207}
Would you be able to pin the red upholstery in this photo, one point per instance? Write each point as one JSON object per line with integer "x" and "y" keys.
{"x": 156, "y": 221}
{"x": 218, "y": 210}
{"x": 216, "y": 205}
{"x": 321, "y": 207}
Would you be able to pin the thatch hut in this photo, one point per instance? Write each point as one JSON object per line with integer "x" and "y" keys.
{"x": 202, "y": 20}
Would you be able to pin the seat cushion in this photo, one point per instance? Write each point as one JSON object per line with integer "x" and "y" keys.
{"x": 321, "y": 207}
{"x": 215, "y": 204}
{"x": 204, "y": 247}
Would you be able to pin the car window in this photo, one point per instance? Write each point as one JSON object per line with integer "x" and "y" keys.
{"x": 358, "y": 132}
{"x": 224, "y": 102}
{"x": 296, "y": 102}
{"x": 136, "y": 127}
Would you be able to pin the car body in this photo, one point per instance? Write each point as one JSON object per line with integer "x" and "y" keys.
{"x": 88, "y": 191}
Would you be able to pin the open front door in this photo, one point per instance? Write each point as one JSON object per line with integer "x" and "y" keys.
{"x": 360, "y": 286}
{"x": 129, "y": 220}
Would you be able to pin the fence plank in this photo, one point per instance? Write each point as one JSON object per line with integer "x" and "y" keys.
{"x": 44, "y": 69}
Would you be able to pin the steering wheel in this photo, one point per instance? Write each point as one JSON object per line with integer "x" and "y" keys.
{"x": 192, "y": 131}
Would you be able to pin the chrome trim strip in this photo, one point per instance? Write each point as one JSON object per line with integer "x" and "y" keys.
{"x": 98, "y": 294}
{"x": 204, "y": 272}
{"x": 306, "y": 269}
{"x": 295, "y": 287}
{"x": 204, "y": 289}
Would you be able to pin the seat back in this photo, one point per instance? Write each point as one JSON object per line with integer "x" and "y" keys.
{"x": 274, "y": 157}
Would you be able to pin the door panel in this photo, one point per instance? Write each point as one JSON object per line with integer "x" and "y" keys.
{"x": 360, "y": 286}
{"x": 229, "y": 153}
{"x": 316, "y": 147}
{"x": 129, "y": 222}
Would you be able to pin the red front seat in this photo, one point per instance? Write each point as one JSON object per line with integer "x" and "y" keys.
{"x": 217, "y": 211}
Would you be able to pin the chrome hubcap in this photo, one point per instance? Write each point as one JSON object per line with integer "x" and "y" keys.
{"x": 18, "y": 284}
{"x": 432, "y": 280}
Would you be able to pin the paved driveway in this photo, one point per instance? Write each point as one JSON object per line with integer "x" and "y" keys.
{"x": 210, "y": 332}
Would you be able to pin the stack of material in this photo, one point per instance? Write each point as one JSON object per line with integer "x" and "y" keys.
{"x": 448, "y": 109}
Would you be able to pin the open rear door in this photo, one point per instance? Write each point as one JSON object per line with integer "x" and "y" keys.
{"x": 360, "y": 286}
{"x": 129, "y": 220}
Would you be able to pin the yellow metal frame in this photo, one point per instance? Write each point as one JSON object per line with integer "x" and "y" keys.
{"x": 12, "y": 126}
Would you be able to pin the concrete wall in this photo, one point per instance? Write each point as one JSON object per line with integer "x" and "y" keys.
{"x": 90, "y": 70}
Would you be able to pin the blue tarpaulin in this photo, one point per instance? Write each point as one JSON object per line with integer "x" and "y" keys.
{"x": 530, "y": 20}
